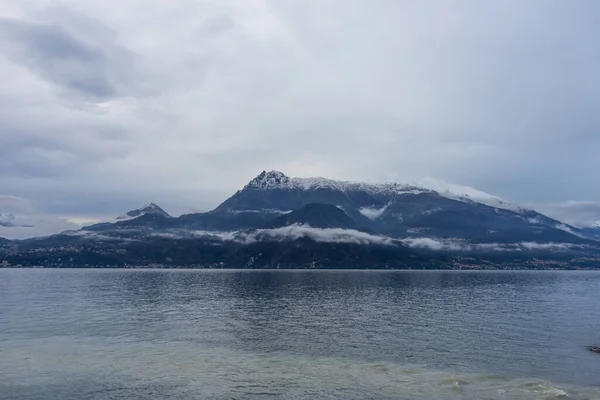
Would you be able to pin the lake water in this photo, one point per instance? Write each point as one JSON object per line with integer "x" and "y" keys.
{"x": 153, "y": 334}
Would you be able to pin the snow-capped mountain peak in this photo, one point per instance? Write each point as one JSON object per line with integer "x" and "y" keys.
{"x": 278, "y": 180}
{"x": 150, "y": 208}
{"x": 269, "y": 180}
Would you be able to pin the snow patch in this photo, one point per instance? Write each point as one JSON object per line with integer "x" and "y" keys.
{"x": 567, "y": 229}
{"x": 261, "y": 211}
{"x": 372, "y": 212}
{"x": 431, "y": 211}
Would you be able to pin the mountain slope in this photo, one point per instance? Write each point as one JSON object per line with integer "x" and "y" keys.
{"x": 150, "y": 216}
{"x": 272, "y": 251}
{"x": 275, "y": 191}
{"x": 226, "y": 220}
{"x": 592, "y": 233}
{"x": 278, "y": 221}
{"x": 316, "y": 215}
{"x": 397, "y": 210}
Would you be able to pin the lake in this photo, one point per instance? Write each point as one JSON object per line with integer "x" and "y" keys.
{"x": 243, "y": 334}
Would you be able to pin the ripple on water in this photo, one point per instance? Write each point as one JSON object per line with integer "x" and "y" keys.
{"x": 173, "y": 335}
{"x": 40, "y": 369}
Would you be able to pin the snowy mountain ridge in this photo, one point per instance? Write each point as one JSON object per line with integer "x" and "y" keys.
{"x": 467, "y": 193}
{"x": 278, "y": 180}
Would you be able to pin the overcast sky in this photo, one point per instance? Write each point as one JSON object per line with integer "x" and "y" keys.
{"x": 108, "y": 104}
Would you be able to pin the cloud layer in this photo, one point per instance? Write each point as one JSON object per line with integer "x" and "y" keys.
{"x": 338, "y": 235}
{"x": 293, "y": 232}
{"x": 107, "y": 105}
{"x": 332, "y": 235}
{"x": 461, "y": 245}
{"x": 583, "y": 214}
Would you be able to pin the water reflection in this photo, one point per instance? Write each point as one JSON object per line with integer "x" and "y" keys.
{"x": 533, "y": 324}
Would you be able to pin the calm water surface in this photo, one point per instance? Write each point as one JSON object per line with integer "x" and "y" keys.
{"x": 132, "y": 334}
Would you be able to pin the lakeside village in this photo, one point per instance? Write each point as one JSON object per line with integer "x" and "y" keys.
{"x": 459, "y": 263}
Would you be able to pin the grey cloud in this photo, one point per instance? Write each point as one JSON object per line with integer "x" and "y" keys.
{"x": 36, "y": 226}
{"x": 459, "y": 245}
{"x": 84, "y": 61}
{"x": 31, "y": 148}
{"x": 58, "y": 57}
{"x": 96, "y": 199}
{"x": 293, "y": 232}
{"x": 216, "y": 25}
{"x": 499, "y": 96}
{"x": 15, "y": 205}
{"x": 20, "y": 219}
{"x": 333, "y": 235}
{"x": 582, "y": 214}
{"x": 433, "y": 244}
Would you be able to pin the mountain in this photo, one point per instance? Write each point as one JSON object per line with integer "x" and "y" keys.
{"x": 148, "y": 209}
{"x": 400, "y": 210}
{"x": 218, "y": 220}
{"x": 148, "y": 217}
{"x": 592, "y": 232}
{"x": 392, "y": 209}
{"x": 274, "y": 191}
{"x": 212, "y": 252}
{"x": 285, "y": 247}
{"x": 280, "y": 222}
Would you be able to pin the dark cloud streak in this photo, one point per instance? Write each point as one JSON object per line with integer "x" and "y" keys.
{"x": 58, "y": 57}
